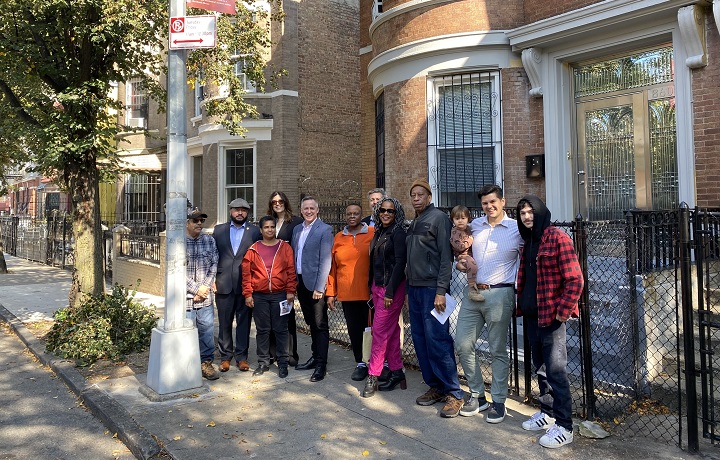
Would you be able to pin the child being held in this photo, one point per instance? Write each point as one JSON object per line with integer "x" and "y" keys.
{"x": 461, "y": 240}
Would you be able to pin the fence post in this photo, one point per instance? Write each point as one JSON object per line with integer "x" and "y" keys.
{"x": 688, "y": 328}
{"x": 580, "y": 229}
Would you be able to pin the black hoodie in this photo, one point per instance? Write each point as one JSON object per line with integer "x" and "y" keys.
{"x": 532, "y": 236}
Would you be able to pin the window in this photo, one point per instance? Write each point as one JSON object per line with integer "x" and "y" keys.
{"x": 197, "y": 183}
{"x": 239, "y": 68}
{"x": 464, "y": 136}
{"x": 377, "y": 8}
{"x": 239, "y": 180}
{"x": 142, "y": 197}
{"x": 380, "y": 141}
{"x": 199, "y": 93}
{"x": 136, "y": 103}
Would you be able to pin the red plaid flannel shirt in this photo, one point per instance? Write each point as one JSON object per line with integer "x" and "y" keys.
{"x": 559, "y": 277}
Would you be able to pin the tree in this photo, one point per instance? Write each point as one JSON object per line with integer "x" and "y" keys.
{"x": 58, "y": 59}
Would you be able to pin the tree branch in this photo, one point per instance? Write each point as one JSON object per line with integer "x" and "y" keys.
{"x": 15, "y": 102}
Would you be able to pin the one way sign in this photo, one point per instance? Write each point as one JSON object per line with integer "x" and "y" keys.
{"x": 187, "y": 32}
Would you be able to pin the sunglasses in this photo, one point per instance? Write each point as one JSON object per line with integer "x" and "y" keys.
{"x": 386, "y": 211}
{"x": 198, "y": 221}
{"x": 274, "y": 202}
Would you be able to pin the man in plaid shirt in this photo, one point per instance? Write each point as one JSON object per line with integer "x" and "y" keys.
{"x": 550, "y": 283}
{"x": 202, "y": 261}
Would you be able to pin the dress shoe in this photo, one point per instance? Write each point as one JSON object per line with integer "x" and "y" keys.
{"x": 282, "y": 371}
{"x": 261, "y": 369}
{"x": 225, "y": 365}
{"x": 396, "y": 377}
{"x": 360, "y": 373}
{"x": 243, "y": 365}
{"x": 292, "y": 361}
{"x": 319, "y": 374}
{"x": 309, "y": 364}
{"x": 371, "y": 386}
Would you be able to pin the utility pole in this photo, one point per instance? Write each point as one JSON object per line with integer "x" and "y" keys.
{"x": 174, "y": 348}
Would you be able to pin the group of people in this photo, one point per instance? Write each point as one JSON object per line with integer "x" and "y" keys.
{"x": 521, "y": 266}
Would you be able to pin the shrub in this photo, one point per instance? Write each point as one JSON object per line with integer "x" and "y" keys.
{"x": 108, "y": 326}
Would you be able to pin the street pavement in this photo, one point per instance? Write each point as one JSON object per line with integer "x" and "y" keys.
{"x": 240, "y": 416}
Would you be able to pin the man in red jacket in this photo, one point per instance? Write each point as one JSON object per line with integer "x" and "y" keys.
{"x": 550, "y": 283}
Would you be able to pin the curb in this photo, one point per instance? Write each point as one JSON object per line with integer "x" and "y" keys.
{"x": 115, "y": 417}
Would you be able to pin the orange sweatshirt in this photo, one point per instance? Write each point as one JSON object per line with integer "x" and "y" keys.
{"x": 350, "y": 269}
{"x": 255, "y": 277}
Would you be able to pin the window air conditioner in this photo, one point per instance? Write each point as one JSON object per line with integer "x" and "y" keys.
{"x": 136, "y": 122}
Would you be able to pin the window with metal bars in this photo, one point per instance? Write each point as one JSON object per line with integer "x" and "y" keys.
{"x": 142, "y": 197}
{"x": 380, "y": 141}
{"x": 136, "y": 103}
{"x": 464, "y": 141}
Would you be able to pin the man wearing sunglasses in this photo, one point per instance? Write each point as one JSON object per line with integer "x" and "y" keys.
{"x": 233, "y": 240}
{"x": 202, "y": 261}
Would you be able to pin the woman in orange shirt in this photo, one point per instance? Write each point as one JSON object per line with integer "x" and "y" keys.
{"x": 348, "y": 280}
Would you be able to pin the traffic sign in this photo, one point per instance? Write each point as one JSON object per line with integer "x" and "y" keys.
{"x": 189, "y": 32}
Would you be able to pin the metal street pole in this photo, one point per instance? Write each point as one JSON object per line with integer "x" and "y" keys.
{"x": 174, "y": 350}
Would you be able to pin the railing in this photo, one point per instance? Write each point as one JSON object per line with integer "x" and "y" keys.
{"x": 140, "y": 247}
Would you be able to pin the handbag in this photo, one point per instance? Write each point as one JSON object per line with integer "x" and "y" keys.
{"x": 367, "y": 339}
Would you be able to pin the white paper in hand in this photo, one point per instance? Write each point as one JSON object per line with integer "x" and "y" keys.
{"x": 285, "y": 308}
{"x": 450, "y": 304}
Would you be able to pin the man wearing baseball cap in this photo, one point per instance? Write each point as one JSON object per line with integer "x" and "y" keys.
{"x": 233, "y": 240}
{"x": 202, "y": 260}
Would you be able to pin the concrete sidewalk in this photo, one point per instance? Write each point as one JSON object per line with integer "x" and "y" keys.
{"x": 267, "y": 417}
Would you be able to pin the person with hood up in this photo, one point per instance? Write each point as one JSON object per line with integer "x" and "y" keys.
{"x": 550, "y": 283}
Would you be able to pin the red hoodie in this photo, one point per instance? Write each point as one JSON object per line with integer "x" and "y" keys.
{"x": 282, "y": 276}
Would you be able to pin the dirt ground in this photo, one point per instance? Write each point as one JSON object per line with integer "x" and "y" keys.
{"x": 134, "y": 363}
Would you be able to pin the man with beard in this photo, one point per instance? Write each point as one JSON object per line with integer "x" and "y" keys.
{"x": 233, "y": 240}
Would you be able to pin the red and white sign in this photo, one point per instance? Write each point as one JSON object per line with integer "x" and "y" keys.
{"x": 221, "y": 6}
{"x": 189, "y": 32}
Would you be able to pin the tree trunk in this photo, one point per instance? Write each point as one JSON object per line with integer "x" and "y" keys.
{"x": 88, "y": 276}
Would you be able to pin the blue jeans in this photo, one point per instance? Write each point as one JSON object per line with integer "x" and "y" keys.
{"x": 495, "y": 312}
{"x": 433, "y": 343}
{"x": 549, "y": 357}
{"x": 204, "y": 319}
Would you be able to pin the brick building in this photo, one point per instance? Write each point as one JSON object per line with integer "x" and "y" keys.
{"x": 308, "y": 135}
{"x": 614, "y": 98}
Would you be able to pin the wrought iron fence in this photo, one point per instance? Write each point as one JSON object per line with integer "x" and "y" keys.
{"x": 140, "y": 247}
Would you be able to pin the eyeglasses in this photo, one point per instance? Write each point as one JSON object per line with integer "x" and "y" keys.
{"x": 386, "y": 211}
{"x": 198, "y": 220}
{"x": 274, "y": 202}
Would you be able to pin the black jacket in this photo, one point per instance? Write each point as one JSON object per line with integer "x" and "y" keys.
{"x": 429, "y": 254}
{"x": 388, "y": 255}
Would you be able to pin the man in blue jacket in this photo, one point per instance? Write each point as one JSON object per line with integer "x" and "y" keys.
{"x": 429, "y": 269}
{"x": 312, "y": 242}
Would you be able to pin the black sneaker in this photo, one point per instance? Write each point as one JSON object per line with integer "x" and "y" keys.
{"x": 282, "y": 371}
{"x": 496, "y": 414}
{"x": 360, "y": 373}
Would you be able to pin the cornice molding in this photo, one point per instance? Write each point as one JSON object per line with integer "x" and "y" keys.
{"x": 532, "y": 59}
{"x": 691, "y": 21}
{"x": 402, "y": 9}
{"x": 607, "y": 14}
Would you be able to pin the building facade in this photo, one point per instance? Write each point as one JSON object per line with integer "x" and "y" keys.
{"x": 599, "y": 107}
{"x": 308, "y": 132}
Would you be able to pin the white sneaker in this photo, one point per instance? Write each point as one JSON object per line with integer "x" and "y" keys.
{"x": 555, "y": 437}
{"x": 539, "y": 421}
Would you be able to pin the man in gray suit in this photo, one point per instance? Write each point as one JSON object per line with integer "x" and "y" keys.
{"x": 233, "y": 240}
{"x": 312, "y": 242}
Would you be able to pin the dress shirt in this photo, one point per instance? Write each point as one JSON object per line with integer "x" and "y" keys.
{"x": 236, "y": 235}
{"x": 301, "y": 242}
{"x": 496, "y": 249}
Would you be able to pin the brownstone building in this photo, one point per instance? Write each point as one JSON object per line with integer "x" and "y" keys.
{"x": 599, "y": 106}
{"x": 306, "y": 140}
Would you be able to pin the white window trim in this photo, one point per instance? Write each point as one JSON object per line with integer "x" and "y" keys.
{"x": 558, "y": 107}
{"x": 222, "y": 209}
{"x": 432, "y": 89}
{"x": 128, "y": 101}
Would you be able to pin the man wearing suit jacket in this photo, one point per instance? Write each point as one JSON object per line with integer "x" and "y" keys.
{"x": 233, "y": 240}
{"x": 312, "y": 242}
{"x": 374, "y": 197}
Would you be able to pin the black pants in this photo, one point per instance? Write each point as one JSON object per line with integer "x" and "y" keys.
{"x": 356, "y": 318}
{"x": 315, "y": 313}
{"x": 232, "y": 307}
{"x": 267, "y": 318}
{"x": 292, "y": 339}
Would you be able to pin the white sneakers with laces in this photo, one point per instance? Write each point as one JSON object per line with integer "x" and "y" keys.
{"x": 555, "y": 437}
{"x": 539, "y": 421}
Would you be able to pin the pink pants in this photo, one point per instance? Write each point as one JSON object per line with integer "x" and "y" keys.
{"x": 386, "y": 330}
